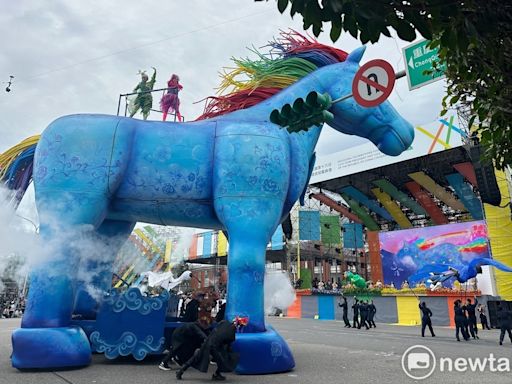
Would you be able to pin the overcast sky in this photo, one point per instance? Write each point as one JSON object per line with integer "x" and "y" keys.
{"x": 78, "y": 56}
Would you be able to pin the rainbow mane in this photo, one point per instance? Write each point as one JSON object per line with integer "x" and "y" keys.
{"x": 292, "y": 56}
{"x": 16, "y": 167}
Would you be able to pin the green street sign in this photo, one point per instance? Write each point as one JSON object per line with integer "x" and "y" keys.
{"x": 419, "y": 58}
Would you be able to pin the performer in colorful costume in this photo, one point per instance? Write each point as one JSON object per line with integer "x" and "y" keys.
{"x": 170, "y": 101}
{"x": 144, "y": 100}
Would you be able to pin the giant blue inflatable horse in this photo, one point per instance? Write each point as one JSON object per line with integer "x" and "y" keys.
{"x": 99, "y": 174}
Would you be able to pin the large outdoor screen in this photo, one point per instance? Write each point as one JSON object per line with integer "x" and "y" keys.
{"x": 404, "y": 252}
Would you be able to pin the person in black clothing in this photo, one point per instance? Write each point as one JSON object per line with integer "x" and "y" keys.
{"x": 460, "y": 321}
{"x": 483, "y": 318}
{"x": 217, "y": 347}
{"x": 344, "y": 306}
{"x": 372, "y": 310}
{"x": 185, "y": 340}
{"x": 192, "y": 310}
{"x": 355, "y": 319}
{"x": 426, "y": 313}
{"x": 471, "y": 308}
{"x": 222, "y": 312}
{"x": 363, "y": 310}
{"x": 505, "y": 320}
{"x": 469, "y": 329}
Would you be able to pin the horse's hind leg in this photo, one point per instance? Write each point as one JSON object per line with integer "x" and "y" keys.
{"x": 46, "y": 338}
{"x": 95, "y": 272}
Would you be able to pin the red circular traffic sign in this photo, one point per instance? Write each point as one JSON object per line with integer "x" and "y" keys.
{"x": 373, "y": 83}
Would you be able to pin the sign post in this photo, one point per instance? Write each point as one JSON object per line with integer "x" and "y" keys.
{"x": 373, "y": 83}
{"x": 418, "y": 59}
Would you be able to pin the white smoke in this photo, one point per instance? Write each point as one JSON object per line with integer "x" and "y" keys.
{"x": 21, "y": 246}
{"x": 18, "y": 241}
{"x": 279, "y": 292}
{"x": 181, "y": 249}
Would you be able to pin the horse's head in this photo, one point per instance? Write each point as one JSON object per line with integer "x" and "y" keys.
{"x": 382, "y": 125}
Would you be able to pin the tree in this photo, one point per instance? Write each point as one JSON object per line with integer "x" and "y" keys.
{"x": 474, "y": 40}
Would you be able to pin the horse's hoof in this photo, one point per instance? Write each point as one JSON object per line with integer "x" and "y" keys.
{"x": 273, "y": 353}
{"x": 42, "y": 348}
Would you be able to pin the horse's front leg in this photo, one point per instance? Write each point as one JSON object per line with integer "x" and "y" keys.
{"x": 250, "y": 186}
{"x": 250, "y": 223}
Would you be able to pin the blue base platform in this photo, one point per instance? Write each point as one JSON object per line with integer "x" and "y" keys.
{"x": 261, "y": 353}
{"x": 130, "y": 324}
{"x": 43, "y": 348}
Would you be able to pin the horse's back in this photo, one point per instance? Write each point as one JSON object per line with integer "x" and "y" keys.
{"x": 84, "y": 152}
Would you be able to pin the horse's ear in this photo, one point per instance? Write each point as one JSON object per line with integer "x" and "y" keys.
{"x": 356, "y": 55}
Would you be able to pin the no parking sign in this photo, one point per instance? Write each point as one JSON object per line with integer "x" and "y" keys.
{"x": 373, "y": 83}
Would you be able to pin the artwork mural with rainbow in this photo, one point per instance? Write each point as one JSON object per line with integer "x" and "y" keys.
{"x": 407, "y": 252}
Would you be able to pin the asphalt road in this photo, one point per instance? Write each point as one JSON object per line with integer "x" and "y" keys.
{"x": 325, "y": 352}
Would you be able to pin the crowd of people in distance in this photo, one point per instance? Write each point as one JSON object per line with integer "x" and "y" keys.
{"x": 339, "y": 284}
{"x": 330, "y": 285}
{"x": 11, "y": 307}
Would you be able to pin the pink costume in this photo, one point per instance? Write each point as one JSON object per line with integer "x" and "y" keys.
{"x": 170, "y": 101}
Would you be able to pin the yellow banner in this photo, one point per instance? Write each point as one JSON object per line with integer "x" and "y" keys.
{"x": 125, "y": 275}
{"x": 499, "y": 226}
{"x": 393, "y": 209}
{"x": 147, "y": 240}
{"x": 222, "y": 244}
{"x": 430, "y": 185}
{"x": 168, "y": 247}
{"x": 408, "y": 311}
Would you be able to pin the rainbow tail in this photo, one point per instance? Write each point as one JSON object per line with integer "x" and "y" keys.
{"x": 16, "y": 165}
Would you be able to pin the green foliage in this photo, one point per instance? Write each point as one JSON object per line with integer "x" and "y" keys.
{"x": 361, "y": 292}
{"x": 305, "y": 276}
{"x": 475, "y": 41}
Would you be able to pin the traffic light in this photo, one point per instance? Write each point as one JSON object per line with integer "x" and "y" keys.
{"x": 304, "y": 113}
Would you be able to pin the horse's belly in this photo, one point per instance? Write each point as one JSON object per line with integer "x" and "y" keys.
{"x": 182, "y": 213}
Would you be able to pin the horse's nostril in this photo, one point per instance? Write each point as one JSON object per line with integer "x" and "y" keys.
{"x": 392, "y": 144}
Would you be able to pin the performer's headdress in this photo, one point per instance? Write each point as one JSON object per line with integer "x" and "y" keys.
{"x": 143, "y": 74}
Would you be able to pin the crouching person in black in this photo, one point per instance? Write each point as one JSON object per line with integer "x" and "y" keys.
{"x": 184, "y": 342}
{"x": 217, "y": 347}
